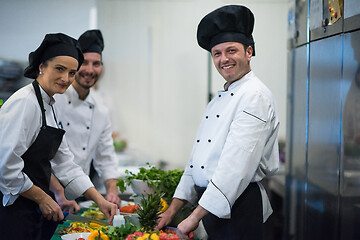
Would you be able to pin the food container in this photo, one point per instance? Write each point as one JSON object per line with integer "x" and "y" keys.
{"x": 75, "y": 236}
{"x": 141, "y": 187}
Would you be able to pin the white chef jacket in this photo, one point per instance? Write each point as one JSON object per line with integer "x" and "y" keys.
{"x": 20, "y": 121}
{"x": 236, "y": 144}
{"x": 88, "y": 132}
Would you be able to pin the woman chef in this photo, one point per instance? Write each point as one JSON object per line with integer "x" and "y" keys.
{"x": 32, "y": 146}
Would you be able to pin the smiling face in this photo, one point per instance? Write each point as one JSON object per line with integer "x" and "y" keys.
{"x": 57, "y": 74}
{"x": 90, "y": 71}
{"x": 231, "y": 60}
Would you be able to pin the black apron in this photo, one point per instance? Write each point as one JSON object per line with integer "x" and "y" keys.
{"x": 246, "y": 222}
{"x": 23, "y": 219}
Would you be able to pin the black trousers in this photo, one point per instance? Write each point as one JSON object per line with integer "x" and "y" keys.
{"x": 246, "y": 222}
{"x": 22, "y": 220}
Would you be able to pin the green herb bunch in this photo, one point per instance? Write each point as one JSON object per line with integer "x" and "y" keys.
{"x": 167, "y": 180}
{"x": 119, "y": 233}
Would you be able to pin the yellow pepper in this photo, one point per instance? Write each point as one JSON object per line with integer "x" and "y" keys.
{"x": 95, "y": 234}
{"x": 146, "y": 235}
{"x": 154, "y": 236}
{"x": 94, "y": 225}
{"x": 164, "y": 205}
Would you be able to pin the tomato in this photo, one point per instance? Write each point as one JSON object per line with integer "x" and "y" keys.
{"x": 168, "y": 236}
{"x": 191, "y": 235}
{"x": 128, "y": 209}
{"x": 134, "y": 235}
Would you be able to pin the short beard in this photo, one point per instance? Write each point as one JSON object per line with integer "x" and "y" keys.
{"x": 82, "y": 85}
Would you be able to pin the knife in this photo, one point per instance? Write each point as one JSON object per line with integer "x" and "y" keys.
{"x": 77, "y": 218}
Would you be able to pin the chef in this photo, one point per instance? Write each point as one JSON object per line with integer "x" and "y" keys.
{"x": 236, "y": 145}
{"x": 32, "y": 146}
{"x": 86, "y": 120}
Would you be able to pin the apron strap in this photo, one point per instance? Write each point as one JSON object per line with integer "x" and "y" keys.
{"x": 39, "y": 98}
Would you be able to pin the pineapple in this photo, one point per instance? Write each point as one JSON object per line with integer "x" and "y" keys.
{"x": 149, "y": 211}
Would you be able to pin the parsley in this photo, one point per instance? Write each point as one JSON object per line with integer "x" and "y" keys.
{"x": 167, "y": 180}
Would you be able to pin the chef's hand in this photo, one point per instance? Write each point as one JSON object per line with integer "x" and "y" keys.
{"x": 109, "y": 209}
{"x": 106, "y": 207}
{"x": 192, "y": 222}
{"x": 164, "y": 220}
{"x": 69, "y": 206}
{"x": 51, "y": 210}
{"x": 112, "y": 192}
{"x": 168, "y": 215}
{"x": 48, "y": 207}
{"x": 113, "y": 198}
{"x": 58, "y": 190}
{"x": 188, "y": 225}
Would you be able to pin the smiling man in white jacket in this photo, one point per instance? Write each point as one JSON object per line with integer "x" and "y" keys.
{"x": 86, "y": 121}
{"x": 236, "y": 145}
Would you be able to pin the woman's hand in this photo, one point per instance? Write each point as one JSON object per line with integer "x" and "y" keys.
{"x": 51, "y": 210}
{"x": 107, "y": 208}
{"x": 48, "y": 207}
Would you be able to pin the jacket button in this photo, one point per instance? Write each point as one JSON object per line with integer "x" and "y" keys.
{"x": 198, "y": 140}
{"x": 90, "y": 107}
{"x": 88, "y": 128}
{"x": 219, "y": 95}
{"x": 68, "y": 124}
{"x": 209, "y": 140}
{"x": 232, "y": 94}
{"x": 202, "y": 167}
{"x": 191, "y": 166}
{"x": 69, "y": 102}
{"x": 207, "y": 117}
{"x": 217, "y": 116}
{"x": 83, "y": 148}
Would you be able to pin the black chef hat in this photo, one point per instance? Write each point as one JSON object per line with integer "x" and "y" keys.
{"x": 56, "y": 44}
{"x": 91, "y": 41}
{"x": 231, "y": 23}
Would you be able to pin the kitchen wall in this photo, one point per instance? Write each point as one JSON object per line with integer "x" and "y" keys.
{"x": 156, "y": 76}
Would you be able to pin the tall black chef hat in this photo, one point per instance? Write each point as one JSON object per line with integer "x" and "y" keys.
{"x": 92, "y": 41}
{"x": 55, "y": 44}
{"x": 231, "y": 23}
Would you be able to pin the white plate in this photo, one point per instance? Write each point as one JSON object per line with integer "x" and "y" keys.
{"x": 75, "y": 236}
{"x": 87, "y": 204}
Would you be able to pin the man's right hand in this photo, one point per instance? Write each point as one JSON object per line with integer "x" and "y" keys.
{"x": 168, "y": 215}
{"x": 164, "y": 220}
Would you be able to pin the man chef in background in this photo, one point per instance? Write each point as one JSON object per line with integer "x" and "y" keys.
{"x": 86, "y": 121}
{"x": 236, "y": 145}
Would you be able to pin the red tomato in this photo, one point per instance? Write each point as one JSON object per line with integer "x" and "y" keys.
{"x": 128, "y": 209}
{"x": 168, "y": 236}
{"x": 134, "y": 235}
